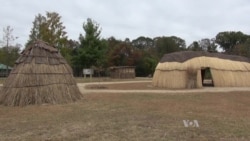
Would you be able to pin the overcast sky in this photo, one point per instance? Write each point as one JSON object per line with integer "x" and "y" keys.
{"x": 190, "y": 20}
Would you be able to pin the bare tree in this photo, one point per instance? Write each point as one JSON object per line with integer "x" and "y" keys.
{"x": 8, "y": 39}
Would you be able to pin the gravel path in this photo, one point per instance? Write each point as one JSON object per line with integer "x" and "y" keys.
{"x": 201, "y": 90}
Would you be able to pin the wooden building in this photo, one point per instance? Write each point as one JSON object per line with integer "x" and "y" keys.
{"x": 122, "y": 72}
{"x": 4, "y": 70}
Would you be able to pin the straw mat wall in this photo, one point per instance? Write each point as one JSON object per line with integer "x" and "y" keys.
{"x": 122, "y": 72}
{"x": 225, "y": 72}
{"x": 41, "y": 75}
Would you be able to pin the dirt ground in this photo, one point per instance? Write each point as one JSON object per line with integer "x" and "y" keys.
{"x": 145, "y": 86}
{"x": 133, "y": 111}
{"x": 123, "y": 86}
{"x": 132, "y": 117}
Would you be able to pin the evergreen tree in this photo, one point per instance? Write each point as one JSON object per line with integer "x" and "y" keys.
{"x": 92, "y": 49}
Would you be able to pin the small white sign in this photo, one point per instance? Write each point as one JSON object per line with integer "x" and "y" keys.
{"x": 88, "y": 71}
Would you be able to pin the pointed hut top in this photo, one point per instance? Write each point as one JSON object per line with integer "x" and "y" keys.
{"x": 42, "y": 52}
{"x": 183, "y": 56}
{"x": 41, "y": 44}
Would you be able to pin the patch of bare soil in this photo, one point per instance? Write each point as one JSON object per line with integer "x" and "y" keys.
{"x": 124, "y": 86}
{"x": 148, "y": 87}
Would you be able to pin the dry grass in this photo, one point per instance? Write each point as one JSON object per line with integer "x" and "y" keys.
{"x": 124, "y": 86}
{"x": 2, "y": 79}
{"x": 191, "y": 78}
{"x": 132, "y": 117}
{"x": 225, "y": 73}
{"x": 107, "y": 79}
{"x": 95, "y": 79}
{"x": 40, "y": 75}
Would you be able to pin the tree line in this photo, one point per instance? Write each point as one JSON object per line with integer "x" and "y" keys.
{"x": 8, "y": 52}
{"x": 92, "y": 51}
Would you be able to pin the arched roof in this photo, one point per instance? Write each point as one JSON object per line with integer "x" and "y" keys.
{"x": 187, "y": 55}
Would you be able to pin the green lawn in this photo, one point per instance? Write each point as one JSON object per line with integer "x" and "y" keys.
{"x": 132, "y": 117}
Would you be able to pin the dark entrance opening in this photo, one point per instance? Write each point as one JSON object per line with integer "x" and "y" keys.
{"x": 206, "y": 77}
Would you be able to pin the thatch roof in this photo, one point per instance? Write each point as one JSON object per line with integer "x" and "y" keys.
{"x": 197, "y": 60}
{"x": 187, "y": 55}
{"x": 40, "y": 75}
{"x": 226, "y": 70}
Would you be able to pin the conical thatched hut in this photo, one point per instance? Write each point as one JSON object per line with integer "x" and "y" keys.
{"x": 186, "y": 70}
{"x": 41, "y": 75}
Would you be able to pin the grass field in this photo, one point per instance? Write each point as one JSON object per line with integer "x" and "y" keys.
{"x": 78, "y": 79}
{"x": 132, "y": 117}
{"x": 2, "y": 79}
{"x": 94, "y": 79}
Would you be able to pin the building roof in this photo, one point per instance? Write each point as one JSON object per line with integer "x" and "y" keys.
{"x": 121, "y": 67}
{"x": 2, "y": 66}
{"x": 42, "y": 53}
{"x": 186, "y": 55}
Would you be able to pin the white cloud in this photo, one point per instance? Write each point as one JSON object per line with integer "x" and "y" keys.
{"x": 189, "y": 19}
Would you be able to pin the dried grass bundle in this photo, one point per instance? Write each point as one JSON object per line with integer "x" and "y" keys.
{"x": 177, "y": 70}
{"x": 41, "y": 75}
{"x": 191, "y": 78}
